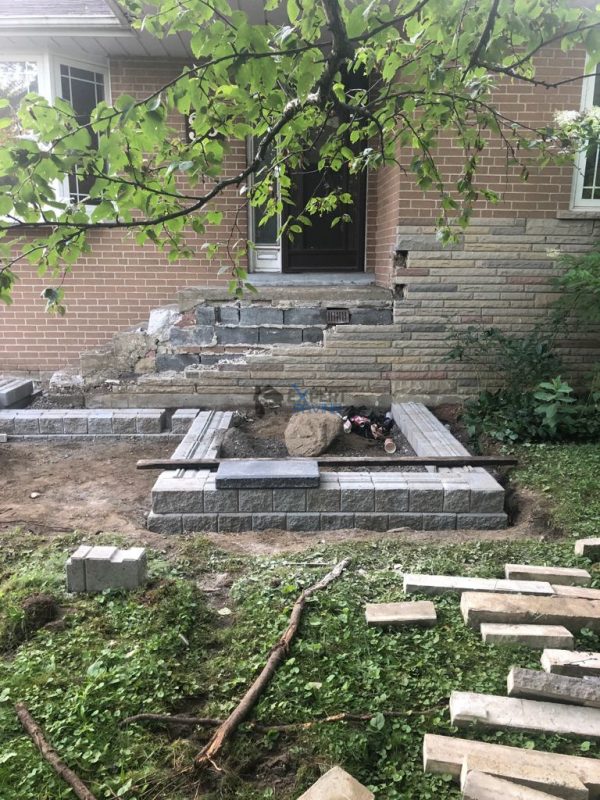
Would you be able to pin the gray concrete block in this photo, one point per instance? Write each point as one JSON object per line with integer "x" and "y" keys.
{"x": 336, "y": 522}
{"x": 182, "y": 419}
{"x": 228, "y": 315}
{"x": 358, "y": 499}
{"x": 325, "y": 498}
{"x": 590, "y": 548}
{"x": 255, "y": 499}
{"x": 76, "y": 423}
{"x": 312, "y": 335}
{"x": 97, "y": 564}
{"x": 197, "y": 336}
{"x": 481, "y": 522}
{"x": 179, "y": 495}
{"x": 51, "y": 424}
{"x": 487, "y": 496}
{"x": 412, "y": 521}
{"x": 261, "y": 315}
{"x": 581, "y": 664}
{"x": 303, "y": 522}
{"x": 14, "y": 389}
{"x": 274, "y": 473}
{"x": 27, "y": 424}
{"x": 75, "y": 567}
{"x": 457, "y": 497}
{"x": 235, "y": 523}
{"x": 371, "y": 522}
{"x": 425, "y": 498}
{"x": 304, "y": 315}
{"x": 280, "y": 336}
{"x": 220, "y": 500}
{"x": 124, "y": 423}
{"x": 197, "y": 523}
{"x": 392, "y": 498}
{"x": 289, "y": 500}
{"x": 7, "y": 422}
{"x": 237, "y": 335}
{"x": 371, "y": 316}
{"x": 205, "y": 315}
{"x": 439, "y": 522}
{"x": 150, "y": 423}
{"x": 175, "y": 362}
{"x": 128, "y": 569}
{"x": 265, "y": 522}
{"x": 100, "y": 421}
{"x": 164, "y": 523}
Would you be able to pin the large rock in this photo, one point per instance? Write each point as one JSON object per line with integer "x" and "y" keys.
{"x": 310, "y": 433}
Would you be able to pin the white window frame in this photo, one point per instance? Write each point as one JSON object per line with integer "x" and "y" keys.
{"x": 262, "y": 257}
{"x": 587, "y": 102}
{"x": 49, "y": 83}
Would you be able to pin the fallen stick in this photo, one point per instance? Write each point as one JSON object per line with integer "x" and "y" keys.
{"x": 51, "y": 756}
{"x": 278, "y": 654}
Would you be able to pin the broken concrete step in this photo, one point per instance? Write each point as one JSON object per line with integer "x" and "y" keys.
{"x": 440, "y": 584}
{"x": 564, "y": 662}
{"x": 535, "y": 636}
{"x": 337, "y": 784}
{"x": 569, "y": 777}
{"x": 571, "y": 612}
{"x": 421, "y": 612}
{"x": 590, "y": 548}
{"x": 555, "y": 782}
{"x": 512, "y": 714}
{"x": 248, "y": 473}
{"x": 535, "y": 684}
{"x": 558, "y": 575}
{"x": 481, "y": 786}
{"x": 12, "y": 390}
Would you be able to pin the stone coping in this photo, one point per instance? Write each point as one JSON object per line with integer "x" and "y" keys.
{"x": 81, "y": 422}
{"x": 369, "y": 499}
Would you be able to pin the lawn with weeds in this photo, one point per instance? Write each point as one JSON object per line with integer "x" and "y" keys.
{"x": 168, "y": 649}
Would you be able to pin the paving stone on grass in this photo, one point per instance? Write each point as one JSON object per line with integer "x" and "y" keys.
{"x": 535, "y": 684}
{"x": 590, "y": 548}
{"x": 514, "y": 714}
{"x": 421, "y": 612}
{"x": 337, "y": 784}
{"x": 566, "y": 776}
{"x": 572, "y": 612}
{"x": 556, "y": 575}
{"x": 577, "y": 664}
{"x": 481, "y": 786}
{"x": 534, "y": 636}
{"x": 441, "y": 584}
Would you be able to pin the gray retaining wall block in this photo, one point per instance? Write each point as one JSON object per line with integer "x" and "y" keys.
{"x": 51, "y": 422}
{"x": 425, "y": 497}
{"x": 199, "y": 523}
{"x": 7, "y": 422}
{"x": 182, "y": 419}
{"x": 335, "y": 522}
{"x": 164, "y": 523}
{"x": 483, "y": 522}
{"x": 412, "y": 521}
{"x": 14, "y": 389}
{"x": 235, "y": 523}
{"x": 94, "y": 569}
{"x": 100, "y": 421}
{"x": 255, "y": 499}
{"x": 76, "y": 423}
{"x": 274, "y": 473}
{"x": 264, "y": 522}
{"x": 27, "y": 423}
{"x": 175, "y": 493}
{"x": 325, "y": 498}
{"x": 303, "y": 522}
{"x": 371, "y": 522}
{"x": 289, "y": 500}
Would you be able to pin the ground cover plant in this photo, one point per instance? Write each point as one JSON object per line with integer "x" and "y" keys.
{"x": 173, "y": 648}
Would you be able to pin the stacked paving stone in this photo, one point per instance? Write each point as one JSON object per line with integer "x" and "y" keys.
{"x": 94, "y": 569}
{"x": 268, "y": 498}
{"x": 81, "y": 422}
{"x": 14, "y": 390}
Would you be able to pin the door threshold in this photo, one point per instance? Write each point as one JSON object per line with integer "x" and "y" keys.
{"x": 311, "y": 278}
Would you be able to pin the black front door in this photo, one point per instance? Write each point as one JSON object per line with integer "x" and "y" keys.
{"x": 323, "y": 246}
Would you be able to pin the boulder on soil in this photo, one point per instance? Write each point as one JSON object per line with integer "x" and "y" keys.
{"x": 310, "y": 433}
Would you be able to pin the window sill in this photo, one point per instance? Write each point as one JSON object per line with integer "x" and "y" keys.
{"x": 581, "y": 213}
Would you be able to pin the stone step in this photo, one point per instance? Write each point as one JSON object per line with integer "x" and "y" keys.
{"x": 421, "y": 612}
{"x": 249, "y": 473}
{"x": 569, "y": 576}
{"x": 590, "y": 548}
{"x": 534, "y": 636}
{"x": 441, "y": 584}
{"x": 337, "y": 784}
{"x": 12, "y": 390}
{"x": 555, "y": 782}
{"x": 481, "y": 786}
{"x": 572, "y": 612}
{"x": 533, "y": 716}
{"x": 538, "y": 685}
{"x": 576, "y": 664}
{"x": 445, "y": 755}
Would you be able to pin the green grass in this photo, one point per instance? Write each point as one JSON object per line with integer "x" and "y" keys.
{"x": 165, "y": 650}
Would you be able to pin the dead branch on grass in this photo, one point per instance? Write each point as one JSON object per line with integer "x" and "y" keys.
{"x": 50, "y": 754}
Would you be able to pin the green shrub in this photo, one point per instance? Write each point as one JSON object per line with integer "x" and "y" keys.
{"x": 580, "y": 285}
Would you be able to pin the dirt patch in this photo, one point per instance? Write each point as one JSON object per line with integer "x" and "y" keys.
{"x": 263, "y": 437}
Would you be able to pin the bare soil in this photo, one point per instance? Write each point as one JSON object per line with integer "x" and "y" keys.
{"x": 263, "y": 437}
{"x": 95, "y": 488}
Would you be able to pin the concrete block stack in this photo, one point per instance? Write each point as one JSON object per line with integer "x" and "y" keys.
{"x": 94, "y": 569}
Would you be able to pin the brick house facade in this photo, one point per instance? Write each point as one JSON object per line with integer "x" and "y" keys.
{"x": 500, "y": 274}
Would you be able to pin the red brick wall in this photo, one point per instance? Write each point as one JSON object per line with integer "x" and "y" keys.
{"x": 116, "y": 285}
